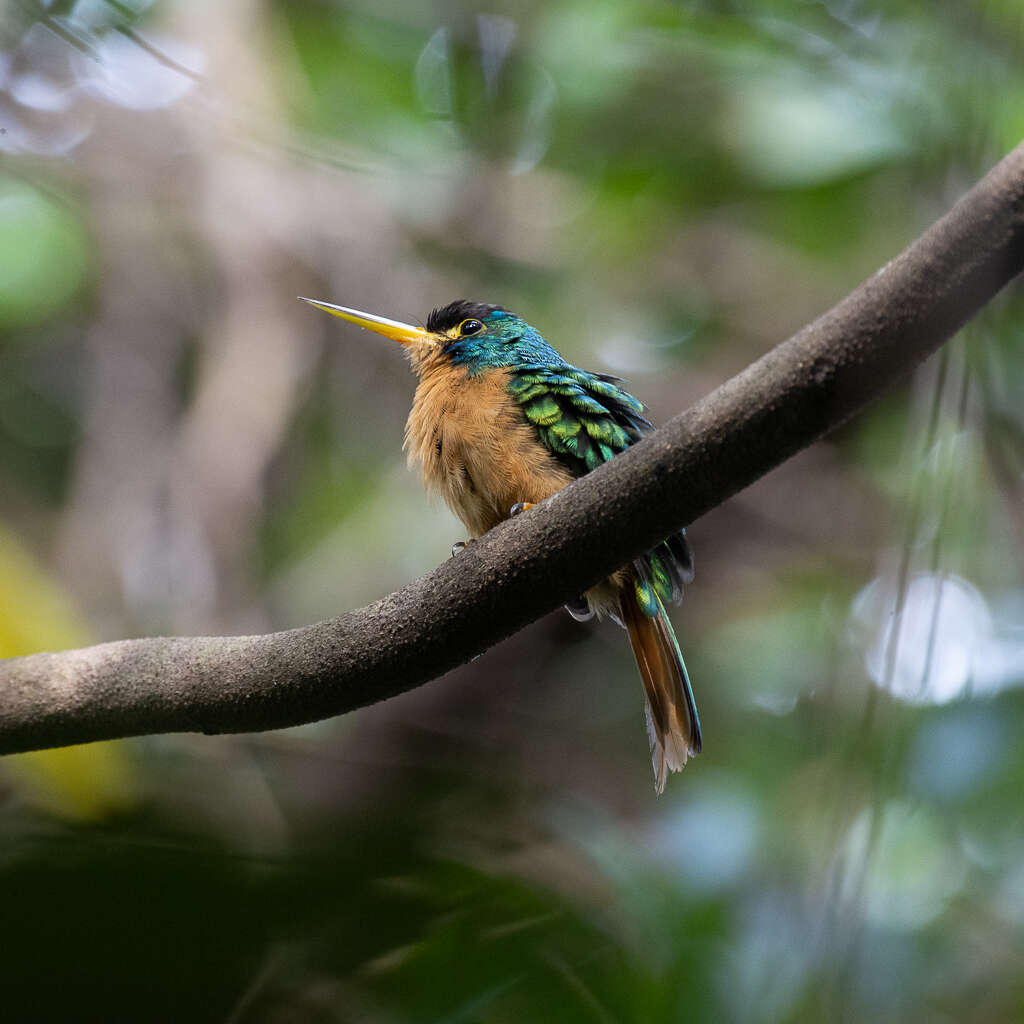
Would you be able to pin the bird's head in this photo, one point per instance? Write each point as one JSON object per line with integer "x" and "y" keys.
{"x": 476, "y": 335}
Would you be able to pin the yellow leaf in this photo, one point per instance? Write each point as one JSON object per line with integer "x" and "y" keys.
{"x": 85, "y": 783}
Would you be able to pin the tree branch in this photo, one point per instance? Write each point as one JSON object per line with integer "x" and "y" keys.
{"x": 796, "y": 393}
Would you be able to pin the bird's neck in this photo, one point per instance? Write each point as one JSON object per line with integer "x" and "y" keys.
{"x": 432, "y": 361}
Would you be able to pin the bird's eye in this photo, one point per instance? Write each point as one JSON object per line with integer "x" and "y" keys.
{"x": 468, "y": 327}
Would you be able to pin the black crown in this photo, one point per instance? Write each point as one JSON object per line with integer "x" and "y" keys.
{"x": 454, "y": 313}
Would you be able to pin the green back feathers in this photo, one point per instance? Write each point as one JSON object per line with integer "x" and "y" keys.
{"x": 585, "y": 419}
{"x": 582, "y": 418}
{"x": 661, "y": 573}
{"x": 648, "y": 598}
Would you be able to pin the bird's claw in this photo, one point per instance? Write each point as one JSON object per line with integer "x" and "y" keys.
{"x": 460, "y": 546}
{"x": 580, "y": 609}
{"x": 520, "y": 506}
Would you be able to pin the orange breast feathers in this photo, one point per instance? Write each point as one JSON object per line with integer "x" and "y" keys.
{"x": 476, "y": 446}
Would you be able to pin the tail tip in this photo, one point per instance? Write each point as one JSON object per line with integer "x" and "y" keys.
{"x": 669, "y": 753}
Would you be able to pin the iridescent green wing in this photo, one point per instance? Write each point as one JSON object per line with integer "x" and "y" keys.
{"x": 585, "y": 419}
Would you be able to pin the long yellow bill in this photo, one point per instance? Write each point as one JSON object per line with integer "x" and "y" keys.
{"x": 405, "y": 334}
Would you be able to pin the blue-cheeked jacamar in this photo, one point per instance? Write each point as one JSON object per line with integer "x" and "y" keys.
{"x": 500, "y": 422}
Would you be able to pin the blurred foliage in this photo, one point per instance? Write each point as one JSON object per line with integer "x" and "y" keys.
{"x": 42, "y": 255}
{"x": 665, "y": 190}
{"x": 85, "y": 783}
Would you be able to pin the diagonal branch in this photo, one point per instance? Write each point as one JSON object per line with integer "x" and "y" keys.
{"x": 788, "y": 399}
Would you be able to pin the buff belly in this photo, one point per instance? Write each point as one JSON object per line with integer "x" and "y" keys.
{"x": 476, "y": 447}
{"x": 479, "y": 451}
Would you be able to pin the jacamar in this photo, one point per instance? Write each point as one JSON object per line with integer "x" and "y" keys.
{"x": 501, "y": 421}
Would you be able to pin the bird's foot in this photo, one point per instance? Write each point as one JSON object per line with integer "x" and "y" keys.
{"x": 460, "y": 545}
{"x": 520, "y": 506}
{"x": 580, "y": 609}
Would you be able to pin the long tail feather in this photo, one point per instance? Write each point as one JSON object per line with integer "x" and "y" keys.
{"x": 672, "y": 723}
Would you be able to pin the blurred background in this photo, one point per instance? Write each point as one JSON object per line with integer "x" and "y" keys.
{"x": 666, "y": 190}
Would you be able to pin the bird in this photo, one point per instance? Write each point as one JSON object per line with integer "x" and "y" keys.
{"x": 499, "y": 422}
